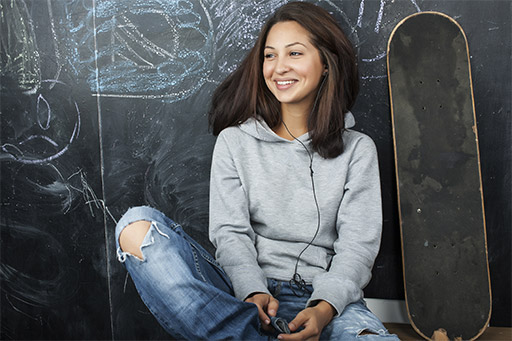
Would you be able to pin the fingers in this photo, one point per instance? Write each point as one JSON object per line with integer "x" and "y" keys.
{"x": 264, "y": 302}
{"x": 301, "y": 320}
{"x": 298, "y": 321}
{"x": 313, "y": 320}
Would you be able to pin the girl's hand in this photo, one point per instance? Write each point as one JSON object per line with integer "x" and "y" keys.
{"x": 313, "y": 319}
{"x": 267, "y": 306}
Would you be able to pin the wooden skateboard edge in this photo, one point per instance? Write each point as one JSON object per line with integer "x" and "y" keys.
{"x": 416, "y": 329}
{"x": 413, "y": 325}
{"x": 477, "y": 144}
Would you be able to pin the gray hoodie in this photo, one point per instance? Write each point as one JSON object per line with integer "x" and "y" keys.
{"x": 263, "y": 212}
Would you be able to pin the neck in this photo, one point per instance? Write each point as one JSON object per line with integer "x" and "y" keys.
{"x": 295, "y": 120}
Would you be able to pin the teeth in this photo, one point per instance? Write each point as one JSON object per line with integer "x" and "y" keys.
{"x": 284, "y": 82}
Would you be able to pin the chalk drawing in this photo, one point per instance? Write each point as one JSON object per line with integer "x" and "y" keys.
{"x": 380, "y": 12}
{"x": 22, "y": 63}
{"x": 55, "y": 42}
{"x": 43, "y": 110}
{"x": 375, "y": 21}
{"x": 373, "y": 77}
{"x": 20, "y": 56}
{"x": 379, "y": 17}
{"x": 144, "y": 48}
{"x": 379, "y": 57}
{"x": 89, "y": 196}
{"x": 46, "y": 133}
{"x": 360, "y": 15}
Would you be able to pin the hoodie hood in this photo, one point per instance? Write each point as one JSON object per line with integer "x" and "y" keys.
{"x": 259, "y": 129}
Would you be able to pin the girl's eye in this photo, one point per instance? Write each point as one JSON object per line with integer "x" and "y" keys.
{"x": 269, "y": 55}
{"x": 294, "y": 54}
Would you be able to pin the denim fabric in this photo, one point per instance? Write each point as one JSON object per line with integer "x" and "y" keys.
{"x": 192, "y": 298}
{"x": 355, "y": 319}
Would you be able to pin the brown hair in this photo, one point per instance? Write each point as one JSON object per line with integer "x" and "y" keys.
{"x": 233, "y": 103}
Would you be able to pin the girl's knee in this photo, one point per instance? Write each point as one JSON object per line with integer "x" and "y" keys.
{"x": 132, "y": 236}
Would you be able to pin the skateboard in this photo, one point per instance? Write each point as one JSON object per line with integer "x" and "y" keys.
{"x": 440, "y": 199}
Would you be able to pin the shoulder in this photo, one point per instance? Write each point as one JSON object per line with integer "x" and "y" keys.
{"x": 355, "y": 141}
{"x": 231, "y": 134}
{"x": 233, "y": 139}
{"x": 247, "y": 131}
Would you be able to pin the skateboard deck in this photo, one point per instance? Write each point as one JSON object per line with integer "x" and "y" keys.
{"x": 442, "y": 220}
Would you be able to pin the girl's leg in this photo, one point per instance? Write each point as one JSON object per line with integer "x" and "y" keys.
{"x": 357, "y": 322}
{"x": 180, "y": 283}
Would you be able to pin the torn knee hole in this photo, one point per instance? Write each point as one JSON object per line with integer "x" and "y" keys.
{"x": 367, "y": 332}
{"x": 132, "y": 236}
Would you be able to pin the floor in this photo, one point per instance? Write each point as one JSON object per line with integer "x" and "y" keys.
{"x": 406, "y": 332}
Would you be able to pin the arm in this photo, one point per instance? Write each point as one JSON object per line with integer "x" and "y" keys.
{"x": 359, "y": 227}
{"x": 230, "y": 229}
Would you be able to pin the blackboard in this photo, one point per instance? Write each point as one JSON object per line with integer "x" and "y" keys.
{"x": 103, "y": 106}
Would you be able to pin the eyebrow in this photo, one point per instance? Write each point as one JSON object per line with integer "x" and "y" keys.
{"x": 289, "y": 45}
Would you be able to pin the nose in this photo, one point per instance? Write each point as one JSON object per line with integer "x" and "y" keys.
{"x": 282, "y": 66}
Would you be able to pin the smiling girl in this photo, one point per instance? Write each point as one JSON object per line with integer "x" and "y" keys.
{"x": 295, "y": 205}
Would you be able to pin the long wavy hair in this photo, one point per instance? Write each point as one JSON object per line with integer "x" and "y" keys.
{"x": 244, "y": 93}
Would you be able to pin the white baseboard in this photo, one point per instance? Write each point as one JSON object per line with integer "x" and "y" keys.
{"x": 388, "y": 311}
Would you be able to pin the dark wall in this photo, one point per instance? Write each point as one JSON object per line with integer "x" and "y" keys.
{"x": 103, "y": 106}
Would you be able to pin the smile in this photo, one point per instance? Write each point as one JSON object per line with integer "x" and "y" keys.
{"x": 285, "y": 82}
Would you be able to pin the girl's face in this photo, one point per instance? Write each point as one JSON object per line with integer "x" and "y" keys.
{"x": 292, "y": 66}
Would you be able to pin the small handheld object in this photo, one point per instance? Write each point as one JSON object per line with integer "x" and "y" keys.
{"x": 280, "y": 325}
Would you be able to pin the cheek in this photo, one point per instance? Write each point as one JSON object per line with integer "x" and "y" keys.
{"x": 267, "y": 74}
{"x": 267, "y": 71}
{"x": 314, "y": 70}
{"x": 313, "y": 75}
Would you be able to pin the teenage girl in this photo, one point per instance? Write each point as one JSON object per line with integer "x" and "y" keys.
{"x": 295, "y": 203}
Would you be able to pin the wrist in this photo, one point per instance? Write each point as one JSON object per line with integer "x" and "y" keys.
{"x": 251, "y": 295}
{"x": 325, "y": 308}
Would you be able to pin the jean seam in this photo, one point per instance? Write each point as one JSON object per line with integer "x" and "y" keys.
{"x": 278, "y": 288}
{"x": 206, "y": 256}
{"x": 196, "y": 264}
{"x": 175, "y": 226}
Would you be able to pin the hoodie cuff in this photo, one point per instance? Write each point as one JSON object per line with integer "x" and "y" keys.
{"x": 326, "y": 290}
{"x": 245, "y": 283}
{"x": 314, "y": 301}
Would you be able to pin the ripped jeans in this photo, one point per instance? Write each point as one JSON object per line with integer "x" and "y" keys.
{"x": 192, "y": 298}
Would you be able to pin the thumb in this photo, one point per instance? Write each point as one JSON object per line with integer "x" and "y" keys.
{"x": 263, "y": 317}
{"x": 272, "y": 307}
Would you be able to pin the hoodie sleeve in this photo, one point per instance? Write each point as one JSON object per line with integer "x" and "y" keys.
{"x": 359, "y": 227}
{"x": 230, "y": 229}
